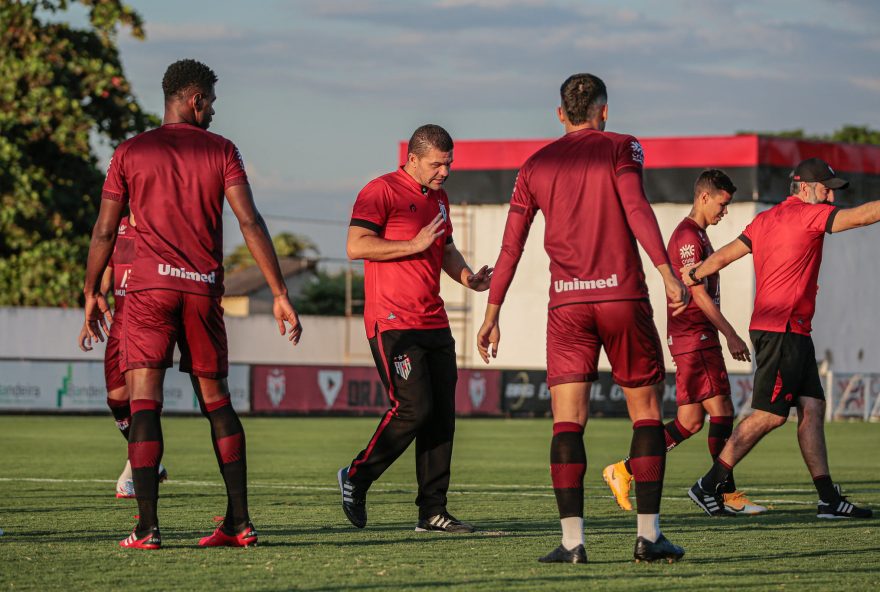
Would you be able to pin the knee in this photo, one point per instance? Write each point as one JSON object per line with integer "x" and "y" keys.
{"x": 692, "y": 425}
{"x": 415, "y": 414}
{"x": 773, "y": 421}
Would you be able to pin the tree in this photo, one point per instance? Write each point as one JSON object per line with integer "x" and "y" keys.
{"x": 325, "y": 295}
{"x": 59, "y": 87}
{"x": 287, "y": 244}
{"x": 853, "y": 134}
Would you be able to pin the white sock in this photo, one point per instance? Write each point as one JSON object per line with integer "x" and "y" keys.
{"x": 649, "y": 526}
{"x": 126, "y": 472}
{"x": 572, "y": 532}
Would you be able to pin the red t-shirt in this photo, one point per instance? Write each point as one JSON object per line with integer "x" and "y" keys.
{"x": 691, "y": 330}
{"x": 590, "y": 224}
{"x": 174, "y": 178}
{"x": 120, "y": 263}
{"x": 786, "y": 243}
{"x": 402, "y": 293}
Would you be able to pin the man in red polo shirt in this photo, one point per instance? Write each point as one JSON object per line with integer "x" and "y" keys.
{"x": 786, "y": 246}
{"x": 588, "y": 185}
{"x": 174, "y": 179}
{"x": 400, "y": 227}
{"x": 701, "y": 383}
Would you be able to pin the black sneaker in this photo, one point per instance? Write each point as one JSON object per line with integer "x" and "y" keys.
{"x": 443, "y": 522}
{"x": 354, "y": 499}
{"x": 660, "y": 549}
{"x": 841, "y": 508}
{"x": 562, "y": 555}
{"x": 711, "y": 502}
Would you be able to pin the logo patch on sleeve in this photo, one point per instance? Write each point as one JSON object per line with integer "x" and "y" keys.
{"x": 638, "y": 154}
{"x": 686, "y": 252}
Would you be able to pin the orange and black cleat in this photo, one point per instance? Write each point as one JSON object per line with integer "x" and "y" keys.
{"x": 151, "y": 541}
{"x": 246, "y": 537}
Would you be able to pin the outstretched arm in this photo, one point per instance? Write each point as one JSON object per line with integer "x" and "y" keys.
{"x": 849, "y": 218}
{"x": 736, "y": 249}
{"x": 256, "y": 236}
{"x": 457, "y": 268}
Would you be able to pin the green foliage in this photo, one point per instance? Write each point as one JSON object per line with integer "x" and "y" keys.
{"x": 287, "y": 244}
{"x": 852, "y": 134}
{"x": 325, "y": 295}
{"x": 59, "y": 87}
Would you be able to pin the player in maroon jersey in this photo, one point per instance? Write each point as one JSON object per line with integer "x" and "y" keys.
{"x": 115, "y": 277}
{"x": 786, "y": 245}
{"x": 701, "y": 379}
{"x": 174, "y": 179}
{"x": 588, "y": 185}
{"x": 400, "y": 227}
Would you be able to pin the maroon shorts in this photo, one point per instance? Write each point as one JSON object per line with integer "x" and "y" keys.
{"x": 156, "y": 320}
{"x": 700, "y": 375}
{"x": 625, "y": 328}
{"x": 113, "y": 376}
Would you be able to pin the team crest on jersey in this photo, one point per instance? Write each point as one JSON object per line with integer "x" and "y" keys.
{"x": 687, "y": 254}
{"x": 443, "y": 212}
{"x": 402, "y": 366}
{"x": 638, "y": 154}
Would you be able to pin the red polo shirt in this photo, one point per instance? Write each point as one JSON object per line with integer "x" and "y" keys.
{"x": 402, "y": 293}
{"x": 786, "y": 243}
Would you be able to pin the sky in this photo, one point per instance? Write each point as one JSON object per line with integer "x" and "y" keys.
{"x": 317, "y": 94}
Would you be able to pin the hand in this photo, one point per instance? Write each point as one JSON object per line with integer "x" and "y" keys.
{"x": 285, "y": 313}
{"x": 738, "y": 348}
{"x": 686, "y": 275}
{"x": 677, "y": 295}
{"x": 479, "y": 282}
{"x": 85, "y": 340}
{"x": 428, "y": 234}
{"x": 488, "y": 338}
{"x": 98, "y": 319}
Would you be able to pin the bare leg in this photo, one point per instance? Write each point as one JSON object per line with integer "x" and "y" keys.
{"x": 748, "y": 433}
{"x": 811, "y": 435}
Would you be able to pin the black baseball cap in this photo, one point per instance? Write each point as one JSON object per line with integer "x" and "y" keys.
{"x": 816, "y": 170}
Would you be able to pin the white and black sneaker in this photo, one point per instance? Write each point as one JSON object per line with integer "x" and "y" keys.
{"x": 443, "y": 522}
{"x": 711, "y": 502}
{"x": 841, "y": 508}
{"x": 354, "y": 499}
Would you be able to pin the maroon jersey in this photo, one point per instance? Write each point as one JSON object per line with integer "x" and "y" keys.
{"x": 174, "y": 178}
{"x": 691, "y": 330}
{"x": 402, "y": 293}
{"x": 120, "y": 263}
{"x": 592, "y": 218}
{"x": 786, "y": 243}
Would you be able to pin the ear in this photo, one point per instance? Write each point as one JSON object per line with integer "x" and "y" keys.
{"x": 195, "y": 101}
{"x": 605, "y": 112}
{"x": 560, "y": 113}
{"x": 411, "y": 158}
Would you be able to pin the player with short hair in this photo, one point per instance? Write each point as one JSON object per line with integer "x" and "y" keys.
{"x": 588, "y": 184}
{"x": 400, "y": 227}
{"x": 174, "y": 179}
{"x": 701, "y": 379}
{"x": 786, "y": 245}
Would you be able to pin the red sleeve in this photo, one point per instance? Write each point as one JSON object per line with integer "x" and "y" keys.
{"x": 115, "y": 186}
{"x": 235, "y": 173}
{"x": 629, "y": 156}
{"x": 819, "y": 217}
{"x": 519, "y": 221}
{"x": 748, "y": 235}
{"x": 640, "y": 216}
{"x": 685, "y": 248}
{"x": 370, "y": 209}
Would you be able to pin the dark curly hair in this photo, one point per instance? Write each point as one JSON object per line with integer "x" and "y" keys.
{"x": 183, "y": 75}
{"x": 582, "y": 96}
{"x": 713, "y": 181}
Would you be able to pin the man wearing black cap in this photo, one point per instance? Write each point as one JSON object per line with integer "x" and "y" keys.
{"x": 786, "y": 246}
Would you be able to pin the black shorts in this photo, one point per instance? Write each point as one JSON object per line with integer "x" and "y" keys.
{"x": 785, "y": 370}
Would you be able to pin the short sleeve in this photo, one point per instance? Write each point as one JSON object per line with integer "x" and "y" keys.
{"x": 629, "y": 156}
{"x": 748, "y": 235}
{"x": 115, "y": 185}
{"x": 685, "y": 248}
{"x": 818, "y": 218}
{"x": 235, "y": 173}
{"x": 371, "y": 207}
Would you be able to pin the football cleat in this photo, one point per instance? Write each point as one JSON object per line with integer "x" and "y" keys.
{"x": 710, "y": 502}
{"x": 125, "y": 488}
{"x": 443, "y": 522}
{"x": 841, "y": 508}
{"x": 659, "y": 550}
{"x": 562, "y": 555}
{"x": 738, "y": 503}
{"x": 247, "y": 537}
{"x": 151, "y": 541}
{"x": 354, "y": 499}
{"x": 620, "y": 481}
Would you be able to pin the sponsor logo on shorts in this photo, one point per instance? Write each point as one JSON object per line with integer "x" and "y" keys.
{"x": 578, "y": 284}
{"x": 182, "y": 273}
{"x": 402, "y": 366}
{"x": 122, "y": 229}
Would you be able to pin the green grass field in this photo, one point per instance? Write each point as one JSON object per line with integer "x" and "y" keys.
{"x": 62, "y": 521}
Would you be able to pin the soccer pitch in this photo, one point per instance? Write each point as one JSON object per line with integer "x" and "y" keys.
{"x": 62, "y": 521}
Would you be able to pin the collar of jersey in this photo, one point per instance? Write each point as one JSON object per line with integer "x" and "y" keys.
{"x": 415, "y": 184}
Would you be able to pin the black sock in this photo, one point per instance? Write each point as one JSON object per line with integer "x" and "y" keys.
{"x": 121, "y": 411}
{"x": 674, "y": 434}
{"x": 568, "y": 463}
{"x": 229, "y": 446}
{"x": 647, "y": 456}
{"x": 720, "y": 428}
{"x": 717, "y": 476}
{"x": 825, "y": 487}
{"x": 145, "y": 446}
